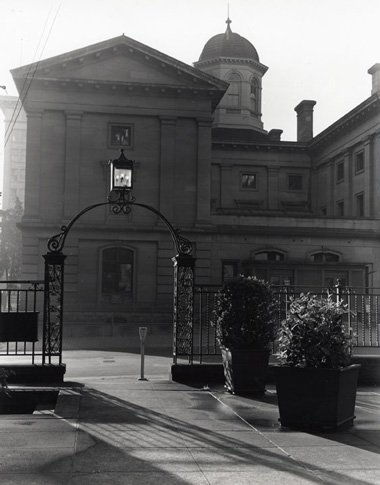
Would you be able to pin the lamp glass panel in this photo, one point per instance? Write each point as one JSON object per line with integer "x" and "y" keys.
{"x": 122, "y": 178}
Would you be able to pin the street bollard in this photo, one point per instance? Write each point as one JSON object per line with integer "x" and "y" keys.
{"x": 142, "y": 332}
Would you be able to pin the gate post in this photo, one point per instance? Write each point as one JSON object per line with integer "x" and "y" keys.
{"x": 53, "y": 306}
{"x": 183, "y": 310}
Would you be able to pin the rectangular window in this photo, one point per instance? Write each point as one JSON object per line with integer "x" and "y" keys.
{"x": 324, "y": 211}
{"x": 340, "y": 208}
{"x": 229, "y": 270}
{"x": 120, "y": 135}
{"x": 117, "y": 271}
{"x": 340, "y": 172}
{"x": 248, "y": 181}
{"x": 359, "y": 162}
{"x": 295, "y": 182}
{"x": 360, "y": 205}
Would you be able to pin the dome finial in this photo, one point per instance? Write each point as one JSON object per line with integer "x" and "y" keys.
{"x": 228, "y": 22}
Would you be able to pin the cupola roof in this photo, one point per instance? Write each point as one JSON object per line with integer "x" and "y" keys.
{"x": 228, "y": 45}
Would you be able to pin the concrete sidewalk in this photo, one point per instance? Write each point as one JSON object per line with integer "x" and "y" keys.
{"x": 110, "y": 428}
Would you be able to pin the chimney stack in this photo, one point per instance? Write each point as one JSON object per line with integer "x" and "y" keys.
{"x": 275, "y": 135}
{"x": 375, "y": 72}
{"x": 305, "y": 120}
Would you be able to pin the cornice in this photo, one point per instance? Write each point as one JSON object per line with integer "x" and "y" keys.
{"x": 232, "y": 60}
{"x": 275, "y": 147}
{"x": 118, "y": 87}
{"x": 121, "y": 45}
{"x": 366, "y": 110}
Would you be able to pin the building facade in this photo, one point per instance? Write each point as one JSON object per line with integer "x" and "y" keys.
{"x": 13, "y": 186}
{"x": 298, "y": 213}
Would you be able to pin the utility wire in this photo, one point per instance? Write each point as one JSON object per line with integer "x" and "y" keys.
{"x": 10, "y": 126}
{"x": 29, "y": 78}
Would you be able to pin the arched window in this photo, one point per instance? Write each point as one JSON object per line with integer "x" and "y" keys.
{"x": 233, "y": 93}
{"x": 255, "y": 93}
{"x": 269, "y": 256}
{"x": 117, "y": 270}
{"x": 325, "y": 257}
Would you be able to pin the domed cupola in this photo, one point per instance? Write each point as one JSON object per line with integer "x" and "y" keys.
{"x": 228, "y": 45}
{"x": 234, "y": 59}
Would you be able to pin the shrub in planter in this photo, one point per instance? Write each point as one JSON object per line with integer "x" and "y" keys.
{"x": 245, "y": 320}
{"x": 23, "y": 401}
{"x": 316, "y": 385}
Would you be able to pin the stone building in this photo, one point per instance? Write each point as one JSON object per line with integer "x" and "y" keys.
{"x": 13, "y": 174}
{"x": 293, "y": 212}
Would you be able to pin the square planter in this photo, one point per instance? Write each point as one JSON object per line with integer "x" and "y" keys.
{"x": 25, "y": 401}
{"x": 316, "y": 398}
{"x": 245, "y": 371}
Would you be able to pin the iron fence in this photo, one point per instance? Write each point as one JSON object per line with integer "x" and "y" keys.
{"x": 363, "y": 320}
{"x": 21, "y": 307}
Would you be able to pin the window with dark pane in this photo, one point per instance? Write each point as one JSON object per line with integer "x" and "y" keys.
{"x": 269, "y": 256}
{"x": 249, "y": 181}
{"x": 117, "y": 271}
{"x": 295, "y": 182}
{"x": 360, "y": 205}
{"x": 120, "y": 135}
{"x": 359, "y": 162}
{"x": 340, "y": 172}
{"x": 340, "y": 208}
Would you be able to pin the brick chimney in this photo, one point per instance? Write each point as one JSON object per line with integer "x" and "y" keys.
{"x": 375, "y": 72}
{"x": 305, "y": 120}
{"x": 275, "y": 135}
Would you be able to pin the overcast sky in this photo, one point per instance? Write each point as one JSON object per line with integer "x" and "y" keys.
{"x": 314, "y": 49}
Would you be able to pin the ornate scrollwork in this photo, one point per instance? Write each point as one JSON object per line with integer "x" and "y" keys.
{"x": 56, "y": 242}
{"x": 183, "y": 308}
{"x": 53, "y": 310}
{"x": 121, "y": 202}
{"x": 183, "y": 245}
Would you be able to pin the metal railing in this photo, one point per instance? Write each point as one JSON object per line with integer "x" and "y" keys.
{"x": 363, "y": 319}
{"x": 21, "y": 305}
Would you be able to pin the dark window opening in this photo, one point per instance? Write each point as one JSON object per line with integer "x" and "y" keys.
{"x": 120, "y": 135}
{"x": 340, "y": 208}
{"x": 295, "y": 182}
{"x": 340, "y": 172}
{"x": 249, "y": 181}
{"x": 325, "y": 258}
{"x": 359, "y": 162}
{"x": 117, "y": 271}
{"x": 360, "y": 205}
{"x": 269, "y": 256}
{"x": 229, "y": 270}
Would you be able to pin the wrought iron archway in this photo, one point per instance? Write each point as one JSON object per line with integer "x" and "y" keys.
{"x": 184, "y": 263}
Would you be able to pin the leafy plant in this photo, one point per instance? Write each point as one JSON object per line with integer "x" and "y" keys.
{"x": 245, "y": 314}
{"x": 4, "y": 375}
{"x": 314, "y": 334}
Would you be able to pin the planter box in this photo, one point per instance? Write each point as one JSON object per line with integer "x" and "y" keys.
{"x": 245, "y": 371}
{"x": 316, "y": 398}
{"x": 25, "y": 401}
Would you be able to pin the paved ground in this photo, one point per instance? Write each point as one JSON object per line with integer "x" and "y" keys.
{"x": 110, "y": 428}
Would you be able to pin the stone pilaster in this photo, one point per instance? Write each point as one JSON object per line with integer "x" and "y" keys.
{"x": 348, "y": 176}
{"x": 369, "y": 162}
{"x": 33, "y": 164}
{"x": 225, "y": 184}
{"x": 72, "y": 164}
{"x": 330, "y": 187}
{"x": 273, "y": 202}
{"x": 204, "y": 171}
{"x": 167, "y": 166}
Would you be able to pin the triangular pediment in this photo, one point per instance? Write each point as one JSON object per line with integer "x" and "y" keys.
{"x": 119, "y": 60}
